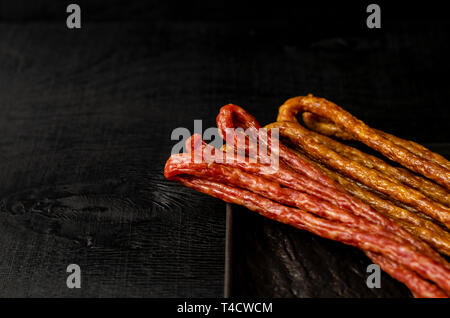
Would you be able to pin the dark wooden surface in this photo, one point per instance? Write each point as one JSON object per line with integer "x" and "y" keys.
{"x": 86, "y": 117}
{"x": 85, "y": 128}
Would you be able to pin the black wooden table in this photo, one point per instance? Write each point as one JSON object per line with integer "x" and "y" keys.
{"x": 86, "y": 118}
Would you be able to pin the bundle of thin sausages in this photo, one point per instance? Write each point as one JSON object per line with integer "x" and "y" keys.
{"x": 417, "y": 204}
{"x": 303, "y": 193}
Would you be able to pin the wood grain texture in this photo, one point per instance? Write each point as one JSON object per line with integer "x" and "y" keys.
{"x": 85, "y": 132}
{"x": 86, "y": 118}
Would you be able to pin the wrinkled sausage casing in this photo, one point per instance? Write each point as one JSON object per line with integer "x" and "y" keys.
{"x": 411, "y": 155}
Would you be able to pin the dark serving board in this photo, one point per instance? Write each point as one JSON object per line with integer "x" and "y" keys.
{"x": 268, "y": 259}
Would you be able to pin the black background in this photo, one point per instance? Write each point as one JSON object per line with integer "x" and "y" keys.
{"x": 86, "y": 118}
